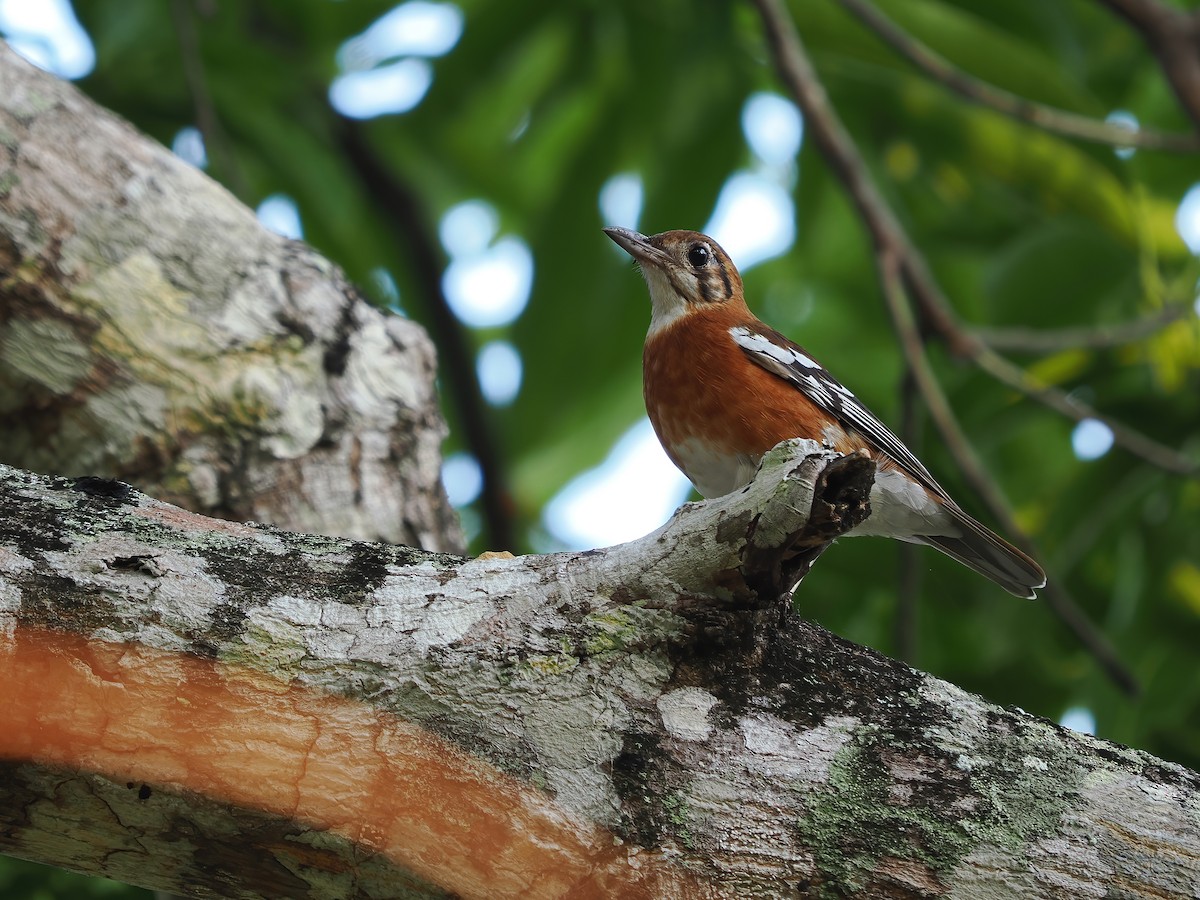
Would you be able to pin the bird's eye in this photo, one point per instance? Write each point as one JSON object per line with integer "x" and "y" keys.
{"x": 698, "y": 255}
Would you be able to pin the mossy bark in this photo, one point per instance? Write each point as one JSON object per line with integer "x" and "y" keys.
{"x": 152, "y": 330}
{"x": 644, "y": 720}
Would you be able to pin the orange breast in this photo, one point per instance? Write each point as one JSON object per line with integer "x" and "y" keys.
{"x": 700, "y": 385}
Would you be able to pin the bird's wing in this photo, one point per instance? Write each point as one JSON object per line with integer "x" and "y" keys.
{"x": 779, "y": 356}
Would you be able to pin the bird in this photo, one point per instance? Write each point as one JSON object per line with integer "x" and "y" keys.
{"x": 722, "y": 388}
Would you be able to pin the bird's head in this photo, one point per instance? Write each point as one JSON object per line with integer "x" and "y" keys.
{"x": 685, "y": 270}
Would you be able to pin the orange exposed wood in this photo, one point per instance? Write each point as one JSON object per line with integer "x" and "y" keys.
{"x": 131, "y": 713}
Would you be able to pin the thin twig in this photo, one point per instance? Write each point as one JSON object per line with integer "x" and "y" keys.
{"x": 397, "y": 202}
{"x": 1061, "y": 603}
{"x": 901, "y": 268}
{"x": 216, "y": 142}
{"x": 888, "y": 235}
{"x": 1048, "y": 118}
{"x": 931, "y": 391}
{"x": 1090, "y": 337}
{"x": 1173, "y": 36}
{"x": 843, "y": 157}
{"x": 1061, "y": 402}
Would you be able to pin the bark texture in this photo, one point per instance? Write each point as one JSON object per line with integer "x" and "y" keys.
{"x": 643, "y": 720}
{"x": 152, "y": 330}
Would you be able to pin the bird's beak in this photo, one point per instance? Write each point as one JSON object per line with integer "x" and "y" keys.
{"x": 638, "y": 246}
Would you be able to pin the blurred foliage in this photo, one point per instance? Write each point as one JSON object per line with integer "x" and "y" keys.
{"x": 22, "y": 880}
{"x": 542, "y": 101}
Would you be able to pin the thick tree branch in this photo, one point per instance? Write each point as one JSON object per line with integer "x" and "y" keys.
{"x": 155, "y": 331}
{"x": 1058, "y": 121}
{"x": 244, "y": 712}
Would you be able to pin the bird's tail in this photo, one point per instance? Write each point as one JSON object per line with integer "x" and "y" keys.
{"x": 990, "y": 555}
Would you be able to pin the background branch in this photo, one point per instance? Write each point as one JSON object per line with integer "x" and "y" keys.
{"x": 1173, "y": 35}
{"x": 901, "y": 267}
{"x": 1061, "y": 402}
{"x": 1058, "y": 121}
{"x": 1091, "y": 337}
{"x": 400, "y": 205}
{"x": 889, "y": 237}
{"x": 216, "y": 142}
{"x": 969, "y": 465}
{"x": 908, "y": 582}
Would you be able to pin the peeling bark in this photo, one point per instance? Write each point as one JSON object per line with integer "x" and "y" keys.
{"x": 633, "y": 721}
{"x": 152, "y": 330}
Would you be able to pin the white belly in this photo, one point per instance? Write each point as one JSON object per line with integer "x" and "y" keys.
{"x": 712, "y": 472}
{"x": 900, "y": 508}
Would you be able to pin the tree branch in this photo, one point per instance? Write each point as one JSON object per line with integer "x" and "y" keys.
{"x": 841, "y": 155}
{"x": 1058, "y": 121}
{"x": 239, "y": 711}
{"x": 1073, "y": 408}
{"x": 402, "y": 206}
{"x": 900, "y": 267}
{"x": 889, "y": 237}
{"x": 1090, "y": 337}
{"x": 156, "y": 331}
{"x": 908, "y": 580}
{"x": 216, "y": 142}
{"x": 1061, "y": 603}
{"x": 1173, "y": 36}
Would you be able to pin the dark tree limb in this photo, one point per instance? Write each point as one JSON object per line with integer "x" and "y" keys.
{"x": 216, "y": 141}
{"x": 400, "y": 205}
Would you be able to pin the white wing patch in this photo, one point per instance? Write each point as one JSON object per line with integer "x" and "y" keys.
{"x": 752, "y": 340}
{"x": 790, "y": 363}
